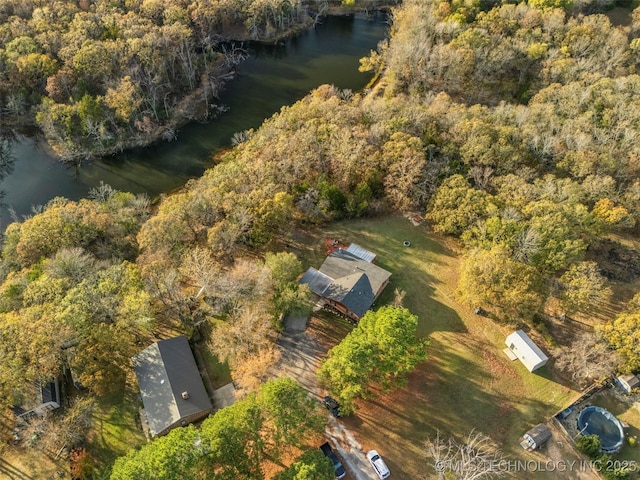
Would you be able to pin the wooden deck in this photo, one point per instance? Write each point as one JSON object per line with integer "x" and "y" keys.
{"x": 333, "y": 244}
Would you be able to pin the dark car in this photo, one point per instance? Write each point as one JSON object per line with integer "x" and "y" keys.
{"x": 332, "y": 406}
{"x": 330, "y": 454}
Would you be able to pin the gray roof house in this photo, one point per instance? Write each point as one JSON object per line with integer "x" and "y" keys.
{"x": 535, "y": 438}
{"x": 348, "y": 281}
{"x": 170, "y": 384}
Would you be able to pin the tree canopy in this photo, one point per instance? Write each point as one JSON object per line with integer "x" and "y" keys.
{"x": 381, "y": 350}
{"x": 234, "y": 441}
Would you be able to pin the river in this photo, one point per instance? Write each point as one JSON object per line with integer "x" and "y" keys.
{"x": 271, "y": 77}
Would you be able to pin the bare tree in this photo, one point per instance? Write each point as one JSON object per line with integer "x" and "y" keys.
{"x": 398, "y": 297}
{"x": 587, "y": 359}
{"x": 477, "y": 457}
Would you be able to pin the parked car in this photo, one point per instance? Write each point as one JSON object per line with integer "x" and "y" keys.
{"x": 378, "y": 464}
{"x": 330, "y": 454}
{"x": 332, "y": 406}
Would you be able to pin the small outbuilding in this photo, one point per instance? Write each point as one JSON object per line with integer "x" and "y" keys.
{"x": 536, "y": 437}
{"x": 628, "y": 382}
{"x": 523, "y": 348}
{"x": 170, "y": 385}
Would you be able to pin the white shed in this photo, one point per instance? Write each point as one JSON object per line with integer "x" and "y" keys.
{"x": 628, "y": 382}
{"x": 526, "y": 351}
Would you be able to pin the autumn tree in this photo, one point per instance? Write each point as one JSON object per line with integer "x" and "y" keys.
{"x": 492, "y": 277}
{"x": 623, "y": 334}
{"x": 381, "y": 349}
{"x": 583, "y": 287}
{"x": 457, "y": 206}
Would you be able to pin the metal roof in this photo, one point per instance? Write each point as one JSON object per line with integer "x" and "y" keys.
{"x": 362, "y": 253}
{"x": 165, "y": 370}
{"x": 317, "y": 281}
{"x": 527, "y": 351}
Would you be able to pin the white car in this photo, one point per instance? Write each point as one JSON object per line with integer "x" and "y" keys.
{"x": 378, "y": 464}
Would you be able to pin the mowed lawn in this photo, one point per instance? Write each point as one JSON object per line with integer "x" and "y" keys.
{"x": 467, "y": 382}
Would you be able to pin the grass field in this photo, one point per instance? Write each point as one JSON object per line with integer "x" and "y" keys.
{"x": 467, "y": 382}
{"x": 115, "y": 428}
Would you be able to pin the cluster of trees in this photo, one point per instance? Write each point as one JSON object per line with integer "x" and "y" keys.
{"x": 69, "y": 270}
{"x": 545, "y": 166}
{"x": 484, "y": 52}
{"x": 233, "y": 443}
{"x": 102, "y": 76}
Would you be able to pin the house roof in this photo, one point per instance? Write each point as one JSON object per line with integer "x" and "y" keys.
{"x": 165, "y": 370}
{"x": 348, "y": 279}
{"x": 540, "y": 434}
{"x": 362, "y": 253}
{"x": 630, "y": 379}
{"x": 49, "y": 392}
{"x": 527, "y": 351}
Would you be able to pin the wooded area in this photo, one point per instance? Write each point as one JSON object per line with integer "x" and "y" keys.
{"x": 98, "y": 76}
{"x": 514, "y": 128}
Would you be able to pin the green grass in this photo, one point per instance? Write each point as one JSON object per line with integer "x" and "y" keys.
{"x": 115, "y": 428}
{"x": 467, "y": 382}
{"x": 218, "y": 372}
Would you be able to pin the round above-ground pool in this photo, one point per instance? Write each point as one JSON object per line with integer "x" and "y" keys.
{"x": 600, "y": 422}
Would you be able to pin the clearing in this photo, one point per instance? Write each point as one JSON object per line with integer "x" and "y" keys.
{"x": 467, "y": 382}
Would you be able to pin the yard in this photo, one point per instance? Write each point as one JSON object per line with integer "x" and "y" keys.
{"x": 115, "y": 428}
{"x": 467, "y": 382}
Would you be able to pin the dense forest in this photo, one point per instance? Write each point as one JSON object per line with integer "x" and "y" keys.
{"x": 99, "y": 76}
{"x": 514, "y": 128}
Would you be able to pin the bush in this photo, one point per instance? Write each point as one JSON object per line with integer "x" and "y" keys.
{"x": 590, "y": 446}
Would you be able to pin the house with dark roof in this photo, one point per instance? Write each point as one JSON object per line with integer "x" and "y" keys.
{"x": 170, "y": 385}
{"x": 42, "y": 398}
{"x": 348, "y": 281}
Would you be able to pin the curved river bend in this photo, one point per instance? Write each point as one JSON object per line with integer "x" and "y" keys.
{"x": 270, "y": 78}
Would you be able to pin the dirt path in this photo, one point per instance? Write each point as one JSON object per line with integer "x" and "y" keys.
{"x": 301, "y": 354}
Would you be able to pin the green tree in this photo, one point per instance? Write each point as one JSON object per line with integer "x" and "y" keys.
{"x": 172, "y": 457}
{"x": 589, "y": 445}
{"x": 292, "y": 413}
{"x": 233, "y": 441}
{"x": 311, "y": 465}
{"x": 288, "y": 295}
{"x": 381, "y": 349}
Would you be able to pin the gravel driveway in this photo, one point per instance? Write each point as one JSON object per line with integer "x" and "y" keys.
{"x": 301, "y": 355}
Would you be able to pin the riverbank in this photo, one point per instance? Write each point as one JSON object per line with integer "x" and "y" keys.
{"x": 271, "y": 77}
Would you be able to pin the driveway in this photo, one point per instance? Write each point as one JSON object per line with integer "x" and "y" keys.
{"x": 301, "y": 355}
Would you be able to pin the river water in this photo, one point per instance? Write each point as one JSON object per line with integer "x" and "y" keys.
{"x": 273, "y": 76}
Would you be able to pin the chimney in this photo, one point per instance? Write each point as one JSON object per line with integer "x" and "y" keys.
{"x": 185, "y": 395}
